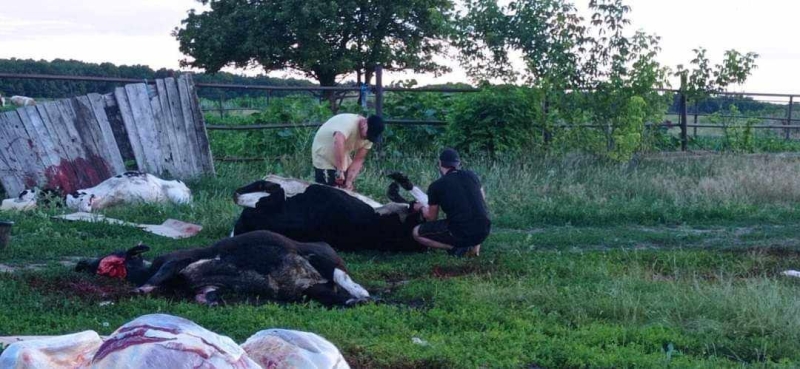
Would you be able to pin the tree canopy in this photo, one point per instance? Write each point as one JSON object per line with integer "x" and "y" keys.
{"x": 323, "y": 40}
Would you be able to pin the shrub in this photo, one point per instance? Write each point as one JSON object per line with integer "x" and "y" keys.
{"x": 427, "y": 106}
{"x": 498, "y": 119}
{"x": 270, "y": 142}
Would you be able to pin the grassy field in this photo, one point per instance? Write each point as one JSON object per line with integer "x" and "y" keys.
{"x": 671, "y": 261}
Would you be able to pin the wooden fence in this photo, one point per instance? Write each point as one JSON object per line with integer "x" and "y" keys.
{"x": 81, "y": 141}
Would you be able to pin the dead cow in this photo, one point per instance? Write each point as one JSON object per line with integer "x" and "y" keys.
{"x": 125, "y": 188}
{"x": 258, "y": 263}
{"x": 22, "y": 101}
{"x": 313, "y": 212}
{"x": 129, "y": 187}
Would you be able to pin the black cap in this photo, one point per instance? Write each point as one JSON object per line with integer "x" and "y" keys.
{"x": 375, "y": 128}
{"x": 449, "y": 158}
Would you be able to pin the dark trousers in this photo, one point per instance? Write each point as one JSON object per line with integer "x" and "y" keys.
{"x": 325, "y": 176}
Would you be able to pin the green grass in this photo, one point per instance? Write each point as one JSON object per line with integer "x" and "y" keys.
{"x": 672, "y": 261}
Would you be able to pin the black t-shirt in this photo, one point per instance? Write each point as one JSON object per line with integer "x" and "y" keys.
{"x": 459, "y": 195}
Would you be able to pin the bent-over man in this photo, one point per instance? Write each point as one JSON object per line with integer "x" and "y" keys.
{"x": 334, "y": 143}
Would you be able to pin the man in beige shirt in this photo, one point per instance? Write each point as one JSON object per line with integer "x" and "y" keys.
{"x": 334, "y": 142}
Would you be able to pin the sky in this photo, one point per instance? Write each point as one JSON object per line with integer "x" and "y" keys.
{"x": 138, "y": 32}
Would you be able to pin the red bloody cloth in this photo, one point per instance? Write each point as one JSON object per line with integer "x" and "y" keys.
{"x": 112, "y": 266}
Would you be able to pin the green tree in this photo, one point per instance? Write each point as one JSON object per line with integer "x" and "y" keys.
{"x": 321, "y": 39}
{"x": 592, "y": 71}
{"x": 702, "y": 80}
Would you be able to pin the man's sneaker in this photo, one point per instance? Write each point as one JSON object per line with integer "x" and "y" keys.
{"x": 469, "y": 252}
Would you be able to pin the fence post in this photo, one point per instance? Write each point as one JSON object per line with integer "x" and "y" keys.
{"x": 695, "y": 119}
{"x": 547, "y": 134}
{"x": 789, "y": 117}
{"x": 683, "y": 119}
{"x": 379, "y": 99}
{"x": 221, "y": 111}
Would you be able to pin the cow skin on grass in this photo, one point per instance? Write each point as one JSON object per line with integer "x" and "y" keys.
{"x": 163, "y": 341}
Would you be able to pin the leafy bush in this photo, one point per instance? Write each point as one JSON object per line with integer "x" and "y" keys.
{"x": 428, "y": 106}
{"x": 737, "y": 131}
{"x": 627, "y": 135}
{"x": 270, "y": 142}
{"x": 498, "y": 119}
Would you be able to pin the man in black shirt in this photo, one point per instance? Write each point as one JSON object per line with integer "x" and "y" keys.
{"x": 460, "y": 195}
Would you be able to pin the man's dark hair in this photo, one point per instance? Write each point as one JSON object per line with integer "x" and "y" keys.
{"x": 449, "y": 158}
{"x": 375, "y": 128}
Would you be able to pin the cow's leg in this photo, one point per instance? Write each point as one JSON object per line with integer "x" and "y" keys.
{"x": 342, "y": 279}
{"x": 166, "y": 272}
{"x": 327, "y": 295}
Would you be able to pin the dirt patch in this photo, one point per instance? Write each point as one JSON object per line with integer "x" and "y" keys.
{"x": 451, "y": 271}
{"x": 81, "y": 288}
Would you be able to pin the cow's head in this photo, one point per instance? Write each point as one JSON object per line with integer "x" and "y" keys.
{"x": 178, "y": 192}
{"x": 250, "y": 195}
{"x": 127, "y": 265}
{"x": 81, "y": 201}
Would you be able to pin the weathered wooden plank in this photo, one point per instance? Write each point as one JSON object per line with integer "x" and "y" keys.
{"x": 38, "y": 143}
{"x": 59, "y": 124}
{"x": 193, "y": 148}
{"x": 89, "y": 130}
{"x": 130, "y": 126}
{"x": 12, "y": 175}
{"x": 60, "y": 171}
{"x": 118, "y": 128}
{"x": 143, "y": 116}
{"x": 22, "y": 144}
{"x": 77, "y": 116}
{"x": 187, "y": 160}
{"x": 162, "y": 134}
{"x": 51, "y": 153}
{"x": 168, "y": 126}
{"x": 199, "y": 127}
{"x": 97, "y": 104}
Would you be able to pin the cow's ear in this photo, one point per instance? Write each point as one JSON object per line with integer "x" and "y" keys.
{"x": 137, "y": 250}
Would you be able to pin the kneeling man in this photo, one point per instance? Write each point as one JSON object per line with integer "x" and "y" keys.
{"x": 460, "y": 195}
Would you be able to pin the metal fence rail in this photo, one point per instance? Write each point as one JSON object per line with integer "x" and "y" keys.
{"x": 379, "y": 91}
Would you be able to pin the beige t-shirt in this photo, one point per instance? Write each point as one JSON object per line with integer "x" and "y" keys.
{"x": 322, "y": 152}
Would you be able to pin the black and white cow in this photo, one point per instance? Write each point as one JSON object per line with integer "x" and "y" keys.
{"x": 126, "y": 188}
{"x": 346, "y": 220}
{"x": 262, "y": 263}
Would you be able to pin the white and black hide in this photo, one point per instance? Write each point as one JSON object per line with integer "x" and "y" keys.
{"x": 125, "y": 188}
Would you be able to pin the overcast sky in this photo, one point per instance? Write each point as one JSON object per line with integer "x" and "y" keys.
{"x": 138, "y": 32}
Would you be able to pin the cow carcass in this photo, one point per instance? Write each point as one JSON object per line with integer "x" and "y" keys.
{"x": 346, "y": 220}
{"x": 259, "y": 264}
{"x": 22, "y": 101}
{"x": 126, "y": 188}
{"x": 165, "y": 341}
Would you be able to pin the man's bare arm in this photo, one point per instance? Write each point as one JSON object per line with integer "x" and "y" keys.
{"x": 338, "y": 150}
{"x": 355, "y": 167}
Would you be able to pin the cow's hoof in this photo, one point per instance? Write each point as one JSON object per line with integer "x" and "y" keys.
{"x": 356, "y": 302}
{"x": 144, "y": 289}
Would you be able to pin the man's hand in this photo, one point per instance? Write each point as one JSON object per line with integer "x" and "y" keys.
{"x": 417, "y": 206}
{"x": 340, "y": 178}
{"x": 402, "y": 180}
